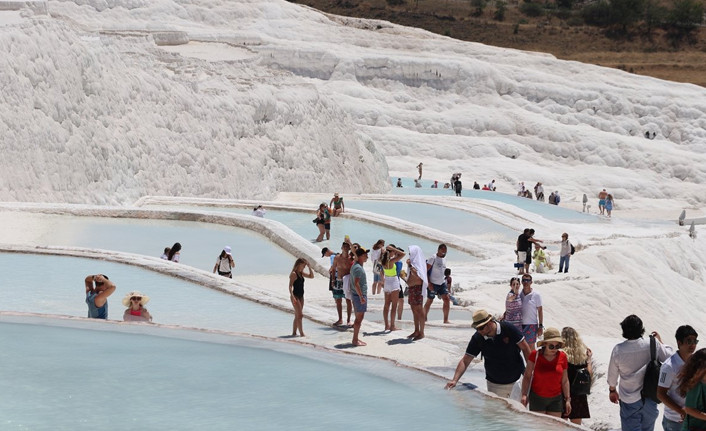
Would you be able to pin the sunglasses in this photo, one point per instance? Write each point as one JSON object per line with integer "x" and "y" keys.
{"x": 553, "y": 346}
{"x": 691, "y": 342}
{"x": 135, "y": 298}
{"x": 526, "y": 280}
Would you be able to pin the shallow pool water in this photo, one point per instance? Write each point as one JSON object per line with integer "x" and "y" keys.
{"x": 201, "y": 242}
{"x": 552, "y": 212}
{"x": 450, "y": 220}
{"x": 361, "y": 232}
{"x": 55, "y": 285}
{"x": 116, "y": 378}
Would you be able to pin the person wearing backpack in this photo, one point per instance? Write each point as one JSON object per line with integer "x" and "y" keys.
{"x": 565, "y": 253}
{"x": 580, "y": 374}
{"x": 667, "y": 389}
{"x": 628, "y": 364}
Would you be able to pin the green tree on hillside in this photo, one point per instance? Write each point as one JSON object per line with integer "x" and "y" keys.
{"x": 477, "y": 7}
{"x": 653, "y": 17}
{"x": 625, "y": 13}
{"x": 683, "y": 20}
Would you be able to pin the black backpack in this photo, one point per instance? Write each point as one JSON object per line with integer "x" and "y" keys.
{"x": 573, "y": 250}
{"x": 581, "y": 385}
{"x": 649, "y": 385}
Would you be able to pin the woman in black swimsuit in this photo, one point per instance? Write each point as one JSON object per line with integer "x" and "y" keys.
{"x": 296, "y": 292}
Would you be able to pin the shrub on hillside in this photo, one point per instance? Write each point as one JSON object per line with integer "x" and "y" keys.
{"x": 532, "y": 9}
{"x": 683, "y": 20}
{"x": 597, "y": 14}
{"x": 499, "y": 14}
{"x": 477, "y": 7}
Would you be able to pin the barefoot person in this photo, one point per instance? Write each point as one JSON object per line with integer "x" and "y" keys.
{"x": 359, "y": 292}
{"x": 417, "y": 282}
{"x": 343, "y": 263}
{"x": 391, "y": 288}
{"x": 98, "y": 289}
{"x": 436, "y": 265}
{"x": 323, "y": 222}
{"x": 296, "y": 292}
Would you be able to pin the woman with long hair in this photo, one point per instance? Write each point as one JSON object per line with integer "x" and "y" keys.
{"x": 513, "y": 304}
{"x": 375, "y": 255}
{"x": 296, "y": 293}
{"x": 693, "y": 386}
{"x": 546, "y": 369}
{"x": 323, "y": 222}
{"x": 579, "y": 356}
{"x": 390, "y": 256}
{"x": 174, "y": 252}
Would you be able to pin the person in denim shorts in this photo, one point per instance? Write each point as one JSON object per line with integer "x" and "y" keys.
{"x": 436, "y": 265}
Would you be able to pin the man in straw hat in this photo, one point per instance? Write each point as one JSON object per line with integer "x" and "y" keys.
{"x": 501, "y": 344}
{"x": 98, "y": 289}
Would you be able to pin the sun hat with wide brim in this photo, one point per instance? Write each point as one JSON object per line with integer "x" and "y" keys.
{"x": 551, "y": 335}
{"x": 126, "y": 300}
{"x": 480, "y": 318}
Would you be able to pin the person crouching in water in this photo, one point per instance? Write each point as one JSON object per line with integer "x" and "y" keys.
{"x": 136, "y": 311}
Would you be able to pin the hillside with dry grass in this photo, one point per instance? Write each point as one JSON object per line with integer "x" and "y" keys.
{"x": 633, "y": 52}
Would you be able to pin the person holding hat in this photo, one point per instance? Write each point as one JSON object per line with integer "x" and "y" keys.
{"x": 545, "y": 385}
{"x": 500, "y": 344}
{"x": 98, "y": 289}
{"x": 136, "y": 311}
{"x": 336, "y": 206}
{"x": 391, "y": 264}
{"x": 359, "y": 292}
{"x": 225, "y": 264}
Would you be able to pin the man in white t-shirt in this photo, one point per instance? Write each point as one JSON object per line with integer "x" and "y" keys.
{"x": 674, "y": 413}
{"x": 437, "y": 282}
{"x": 532, "y": 312}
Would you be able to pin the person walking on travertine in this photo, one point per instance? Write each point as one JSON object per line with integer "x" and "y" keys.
{"x": 419, "y": 168}
{"x": 437, "y": 282}
{"x": 343, "y": 263}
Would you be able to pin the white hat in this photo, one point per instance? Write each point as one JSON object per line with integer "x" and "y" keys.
{"x": 227, "y": 250}
{"x": 144, "y": 298}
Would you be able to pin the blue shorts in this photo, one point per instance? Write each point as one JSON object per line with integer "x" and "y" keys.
{"x": 601, "y": 202}
{"x": 376, "y": 277}
{"x": 357, "y": 306}
{"x": 437, "y": 289}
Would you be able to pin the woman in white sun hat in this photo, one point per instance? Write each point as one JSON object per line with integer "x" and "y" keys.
{"x": 136, "y": 311}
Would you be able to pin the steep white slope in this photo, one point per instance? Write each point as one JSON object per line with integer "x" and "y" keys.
{"x": 313, "y": 102}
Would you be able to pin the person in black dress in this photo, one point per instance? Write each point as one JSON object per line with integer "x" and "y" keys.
{"x": 579, "y": 356}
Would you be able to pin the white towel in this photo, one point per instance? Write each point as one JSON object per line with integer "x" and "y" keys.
{"x": 419, "y": 263}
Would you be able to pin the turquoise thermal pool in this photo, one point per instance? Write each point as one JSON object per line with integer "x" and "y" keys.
{"x": 147, "y": 377}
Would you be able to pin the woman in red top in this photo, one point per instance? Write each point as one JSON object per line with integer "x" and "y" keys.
{"x": 546, "y": 377}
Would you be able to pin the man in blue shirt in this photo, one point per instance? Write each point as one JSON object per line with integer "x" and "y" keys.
{"x": 501, "y": 344}
{"x": 98, "y": 289}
